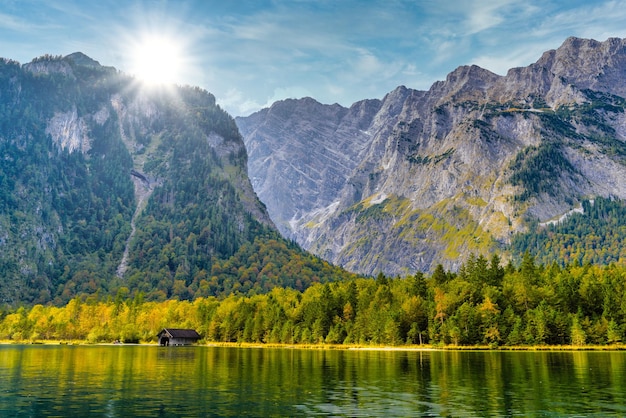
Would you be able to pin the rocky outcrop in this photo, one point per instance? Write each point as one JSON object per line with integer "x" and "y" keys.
{"x": 69, "y": 132}
{"x": 49, "y": 64}
{"x": 426, "y": 177}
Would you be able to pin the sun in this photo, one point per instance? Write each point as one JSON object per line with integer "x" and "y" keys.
{"x": 160, "y": 50}
{"x": 157, "y": 59}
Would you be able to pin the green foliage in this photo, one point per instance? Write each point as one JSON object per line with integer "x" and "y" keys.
{"x": 447, "y": 223}
{"x": 483, "y": 304}
{"x": 426, "y": 159}
{"x": 595, "y": 236}
{"x": 537, "y": 169}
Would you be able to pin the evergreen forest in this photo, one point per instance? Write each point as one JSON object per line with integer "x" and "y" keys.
{"x": 595, "y": 234}
{"x": 484, "y": 304}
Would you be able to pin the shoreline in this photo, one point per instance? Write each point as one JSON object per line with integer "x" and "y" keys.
{"x": 424, "y": 347}
{"x": 347, "y": 347}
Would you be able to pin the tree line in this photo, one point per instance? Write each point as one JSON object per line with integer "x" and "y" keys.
{"x": 484, "y": 303}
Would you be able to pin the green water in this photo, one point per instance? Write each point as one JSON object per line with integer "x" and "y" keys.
{"x": 123, "y": 381}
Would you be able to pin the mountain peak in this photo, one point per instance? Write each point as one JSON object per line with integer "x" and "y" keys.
{"x": 467, "y": 82}
{"x": 78, "y": 58}
{"x": 589, "y": 64}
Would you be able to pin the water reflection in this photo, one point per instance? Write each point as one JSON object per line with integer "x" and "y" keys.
{"x": 212, "y": 381}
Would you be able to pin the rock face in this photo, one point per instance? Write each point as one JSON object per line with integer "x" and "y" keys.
{"x": 427, "y": 177}
{"x": 304, "y": 152}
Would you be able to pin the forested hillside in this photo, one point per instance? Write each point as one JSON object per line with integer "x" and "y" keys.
{"x": 62, "y": 211}
{"x": 107, "y": 185}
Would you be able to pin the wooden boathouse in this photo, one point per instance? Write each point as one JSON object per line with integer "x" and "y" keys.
{"x": 177, "y": 336}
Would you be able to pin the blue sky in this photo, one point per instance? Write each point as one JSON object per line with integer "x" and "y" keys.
{"x": 250, "y": 53}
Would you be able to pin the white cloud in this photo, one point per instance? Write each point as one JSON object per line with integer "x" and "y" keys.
{"x": 483, "y": 15}
{"x": 291, "y": 92}
{"x": 366, "y": 63}
{"x": 591, "y": 20}
{"x": 234, "y": 102}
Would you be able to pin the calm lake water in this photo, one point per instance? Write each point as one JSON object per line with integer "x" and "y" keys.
{"x": 123, "y": 381}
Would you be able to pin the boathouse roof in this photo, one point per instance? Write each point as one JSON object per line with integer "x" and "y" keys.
{"x": 180, "y": 333}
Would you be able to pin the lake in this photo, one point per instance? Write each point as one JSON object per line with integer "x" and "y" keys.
{"x": 123, "y": 381}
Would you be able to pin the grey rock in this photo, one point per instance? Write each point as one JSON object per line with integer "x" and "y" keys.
{"x": 427, "y": 177}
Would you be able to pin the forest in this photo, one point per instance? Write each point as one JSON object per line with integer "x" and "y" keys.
{"x": 483, "y": 304}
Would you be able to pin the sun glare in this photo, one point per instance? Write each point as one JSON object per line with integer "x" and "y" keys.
{"x": 157, "y": 59}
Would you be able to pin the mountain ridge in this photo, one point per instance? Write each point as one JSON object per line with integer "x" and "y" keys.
{"x": 477, "y": 153}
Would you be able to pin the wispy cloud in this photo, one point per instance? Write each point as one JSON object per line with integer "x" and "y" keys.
{"x": 593, "y": 20}
{"x": 500, "y": 63}
{"x": 10, "y": 22}
{"x": 485, "y": 14}
{"x": 14, "y": 23}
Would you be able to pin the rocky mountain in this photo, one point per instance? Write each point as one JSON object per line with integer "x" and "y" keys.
{"x": 427, "y": 177}
{"x": 109, "y": 188}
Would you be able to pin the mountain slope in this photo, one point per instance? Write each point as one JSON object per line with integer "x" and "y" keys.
{"x": 435, "y": 175}
{"x": 109, "y": 187}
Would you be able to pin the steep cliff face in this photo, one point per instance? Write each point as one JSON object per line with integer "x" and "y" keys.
{"x": 302, "y": 153}
{"x": 434, "y": 175}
